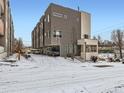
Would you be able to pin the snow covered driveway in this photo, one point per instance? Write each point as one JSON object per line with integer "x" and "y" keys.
{"x": 43, "y": 74}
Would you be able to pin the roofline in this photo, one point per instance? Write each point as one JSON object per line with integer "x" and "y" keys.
{"x": 51, "y": 4}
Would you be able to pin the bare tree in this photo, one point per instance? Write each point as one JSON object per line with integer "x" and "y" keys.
{"x": 94, "y": 38}
{"x": 99, "y": 39}
{"x": 118, "y": 39}
{"x": 20, "y": 43}
{"x": 19, "y": 46}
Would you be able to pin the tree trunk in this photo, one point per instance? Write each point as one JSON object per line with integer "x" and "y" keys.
{"x": 120, "y": 50}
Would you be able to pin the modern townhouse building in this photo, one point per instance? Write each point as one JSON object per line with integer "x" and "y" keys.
{"x": 38, "y": 35}
{"x": 6, "y": 29}
{"x": 66, "y": 29}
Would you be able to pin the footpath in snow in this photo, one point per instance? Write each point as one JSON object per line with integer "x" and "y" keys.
{"x": 43, "y": 74}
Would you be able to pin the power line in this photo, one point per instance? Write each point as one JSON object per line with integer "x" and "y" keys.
{"x": 108, "y": 29}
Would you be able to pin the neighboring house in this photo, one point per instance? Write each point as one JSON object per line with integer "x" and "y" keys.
{"x": 67, "y": 29}
{"x": 6, "y": 29}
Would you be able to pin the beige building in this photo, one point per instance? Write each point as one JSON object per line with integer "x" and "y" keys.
{"x": 6, "y": 29}
{"x": 89, "y": 47}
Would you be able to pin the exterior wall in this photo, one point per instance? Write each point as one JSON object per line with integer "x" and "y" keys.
{"x": 47, "y": 27}
{"x": 85, "y": 24}
{"x": 37, "y": 36}
{"x": 2, "y": 37}
{"x": 12, "y": 37}
{"x": 1, "y": 27}
{"x": 2, "y": 3}
{"x": 32, "y": 35}
{"x": 3, "y": 55}
{"x": 41, "y": 35}
{"x": 68, "y": 23}
{"x": 6, "y": 28}
{"x": 9, "y": 29}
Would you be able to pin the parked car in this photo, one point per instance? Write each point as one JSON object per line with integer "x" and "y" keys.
{"x": 35, "y": 51}
{"x": 52, "y": 51}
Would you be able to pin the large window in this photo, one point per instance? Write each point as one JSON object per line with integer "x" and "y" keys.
{"x": 91, "y": 48}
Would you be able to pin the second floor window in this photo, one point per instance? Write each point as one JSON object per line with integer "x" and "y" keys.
{"x": 1, "y": 11}
{"x": 86, "y": 36}
{"x": 57, "y": 33}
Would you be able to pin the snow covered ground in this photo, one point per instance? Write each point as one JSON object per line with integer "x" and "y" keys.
{"x": 42, "y": 74}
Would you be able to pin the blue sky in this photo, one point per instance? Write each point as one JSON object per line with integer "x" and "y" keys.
{"x": 106, "y": 15}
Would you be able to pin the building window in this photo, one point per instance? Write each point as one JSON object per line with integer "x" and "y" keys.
{"x": 41, "y": 25}
{"x": 91, "y": 48}
{"x": 48, "y": 18}
{"x": 44, "y": 19}
{"x": 1, "y": 11}
{"x": 86, "y": 36}
{"x": 49, "y": 33}
{"x": 57, "y": 14}
{"x": 45, "y": 34}
{"x": 57, "y": 33}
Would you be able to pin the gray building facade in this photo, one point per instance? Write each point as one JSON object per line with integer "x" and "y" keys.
{"x": 62, "y": 27}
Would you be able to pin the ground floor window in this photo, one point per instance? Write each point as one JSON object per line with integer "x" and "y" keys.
{"x": 91, "y": 48}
